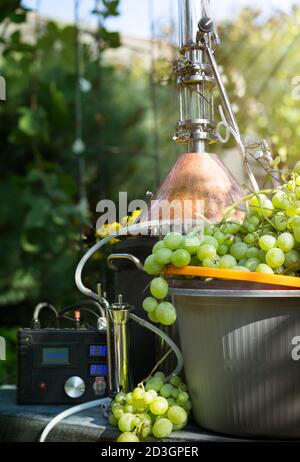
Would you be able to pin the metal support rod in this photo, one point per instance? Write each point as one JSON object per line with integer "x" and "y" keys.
{"x": 153, "y": 96}
{"x": 227, "y": 106}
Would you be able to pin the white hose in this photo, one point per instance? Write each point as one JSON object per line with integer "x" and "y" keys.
{"x": 103, "y": 401}
{"x": 68, "y": 412}
{"x": 91, "y": 404}
{"x": 89, "y": 293}
{"x": 80, "y": 266}
{"x": 98, "y": 402}
{"x": 166, "y": 338}
{"x": 78, "y": 273}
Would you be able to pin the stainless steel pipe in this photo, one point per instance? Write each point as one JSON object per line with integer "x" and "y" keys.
{"x": 117, "y": 317}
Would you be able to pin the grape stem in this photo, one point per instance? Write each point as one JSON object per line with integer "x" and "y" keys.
{"x": 232, "y": 207}
{"x": 156, "y": 365}
{"x": 234, "y": 223}
{"x": 293, "y": 267}
{"x": 263, "y": 208}
{"x": 147, "y": 287}
{"x": 204, "y": 218}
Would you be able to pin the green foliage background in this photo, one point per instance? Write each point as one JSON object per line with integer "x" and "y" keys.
{"x": 41, "y": 218}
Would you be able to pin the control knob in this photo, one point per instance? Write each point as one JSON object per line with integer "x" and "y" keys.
{"x": 74, "y": 387}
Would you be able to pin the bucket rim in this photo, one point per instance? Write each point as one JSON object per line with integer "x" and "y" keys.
{"x": 235, "y": 293}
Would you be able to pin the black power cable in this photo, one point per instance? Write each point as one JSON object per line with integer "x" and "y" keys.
{"x": 81, "y": 304}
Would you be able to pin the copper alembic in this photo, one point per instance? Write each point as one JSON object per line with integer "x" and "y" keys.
{"x": 199, "y": 174}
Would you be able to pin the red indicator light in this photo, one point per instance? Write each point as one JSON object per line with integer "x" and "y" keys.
{"x": 77, "y": 315}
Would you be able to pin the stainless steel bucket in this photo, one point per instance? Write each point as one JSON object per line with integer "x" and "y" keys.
{"x": 241, "y": 348}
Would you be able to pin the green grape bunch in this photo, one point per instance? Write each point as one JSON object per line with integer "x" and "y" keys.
{"x": 266, "y": 240}
{"x": 154, "y": 408}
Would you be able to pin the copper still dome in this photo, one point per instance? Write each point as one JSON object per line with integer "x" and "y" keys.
{"x": 194, "y": 177}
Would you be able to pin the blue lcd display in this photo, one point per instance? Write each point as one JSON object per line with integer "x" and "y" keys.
{"x": 98, "y": 370}
{"x": 55, "y": 356}
{"x": 97, "y": 351}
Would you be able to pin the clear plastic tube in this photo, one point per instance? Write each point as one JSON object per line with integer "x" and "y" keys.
{"x": 89, "y": 293}
{"x": 106, "y": 401}
{"x": 166, "y": 338}
{"x": 71, "y": 411}
{"x": 78, "y": 273}
{"x": 142, "y": 322}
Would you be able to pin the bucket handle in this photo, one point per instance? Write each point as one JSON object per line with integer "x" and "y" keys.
{"x": 124, "y": 256}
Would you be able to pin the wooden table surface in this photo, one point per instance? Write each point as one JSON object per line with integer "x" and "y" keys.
{"x": 25, "y": 423}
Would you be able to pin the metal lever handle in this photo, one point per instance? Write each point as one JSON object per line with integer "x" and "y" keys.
{"x": 124, "y": 256}
{"x": 206, "y": 25}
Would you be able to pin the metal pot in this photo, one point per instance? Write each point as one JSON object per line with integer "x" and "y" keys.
{"x": 241, "y": 356}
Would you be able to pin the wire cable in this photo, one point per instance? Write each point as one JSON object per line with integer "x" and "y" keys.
{"x": 82, "y": 306}
{"x": 84, "y": 309}
{"x": 37, "y": 310}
